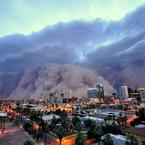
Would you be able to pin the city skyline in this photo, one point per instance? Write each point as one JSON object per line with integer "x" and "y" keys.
{"x": 110, "y": 48}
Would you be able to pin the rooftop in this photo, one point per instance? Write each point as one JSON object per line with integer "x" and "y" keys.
{"x": 135, "y": 130}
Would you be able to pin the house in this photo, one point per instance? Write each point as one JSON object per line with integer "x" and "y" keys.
{"x": 48, "y": 118}
{"x": 138, "y": 133}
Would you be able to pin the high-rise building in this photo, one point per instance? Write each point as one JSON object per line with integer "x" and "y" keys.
{"x": 123, "y": 92}
{"x": 97, "y": 92}
{"x": 142, "y": 92}
{"x": 55, "y": 98}
{"x": 100, "y": 89}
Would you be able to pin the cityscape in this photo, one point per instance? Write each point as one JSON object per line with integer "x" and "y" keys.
{"x": 72, "y": 72}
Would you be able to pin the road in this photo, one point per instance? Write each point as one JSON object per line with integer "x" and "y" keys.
{"x": 13, "y": 135}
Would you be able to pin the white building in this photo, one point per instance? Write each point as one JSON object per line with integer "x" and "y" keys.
{"x": 117, "y": 139}
{"x": 3, "y": 114}
{"x": 95, "y": 119}
{"x": 48, "y": 118}
{"x": 109, "y": 113}
{"x": 55, "y": 98}
{"x": 123, "y": 92}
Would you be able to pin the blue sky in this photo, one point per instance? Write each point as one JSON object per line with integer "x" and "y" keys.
{"x": 27, "y": 16}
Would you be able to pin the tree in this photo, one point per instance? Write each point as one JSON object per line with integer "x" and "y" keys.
{"x": 141, "y": 113}
{"x": 108, "y": 140}
{"x": 76, "y": 122}
{"x": 90, "y": 124}
{"x": 113, "y": 128}
{"x": 98, "y": 133}
{"x": 29, "y": 142}
{"x": 27, "y": 125}
{"x": 60, "y": 133}
{"x": 80, "y": 139}
{"x": 62, "y": 114}
{"x": 131, "y": 140}
{"x": 16, "y": 121}
{"x": 124, "y": 119}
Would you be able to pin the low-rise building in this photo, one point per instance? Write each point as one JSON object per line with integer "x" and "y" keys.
{"x": 95, "y": 119}
{"x": 138, "y": 133}
{"x": 117, "y": 139}
{"x": 48, "y": 118}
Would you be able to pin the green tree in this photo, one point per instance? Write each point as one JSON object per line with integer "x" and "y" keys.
{"x": 60, "y": 132}
{"x": 45, "y": 129}
{"x": 16, "y": 121}
{"x": 76, "y": 122}
{"x": 98, "y": 134}
{"x": 113, "y": 128}
{"x": 28, "y": 142}
{"x": 131, "y": 140}
{"x": 80, "y": 139}
{"x": 90, "y": 124}
{"x": 108, "y": 140}
{"x": 28, "y": 126}
{"x": 141, "y": 113}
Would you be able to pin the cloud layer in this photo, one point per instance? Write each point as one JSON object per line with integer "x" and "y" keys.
{"x": 116, "y": 50}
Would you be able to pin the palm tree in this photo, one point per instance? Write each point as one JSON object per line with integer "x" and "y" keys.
{"x": 131, "y": 140}
{"x": 76, "y": 122}
{"x": 90, "y": 124}
{"x": 141, "y": 113}
{"x": 98, "y": 134}
{"x": 29, "y": 142}
{"x": 124, "y": 119}
{"x": 60, "y": 133}
{"x": 108, "y": 140}
{"x": 80, "y": 139}
{"x": 46, "y": 129}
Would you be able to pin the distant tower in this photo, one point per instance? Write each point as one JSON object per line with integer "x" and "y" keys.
{"x": 123, "y": 92}
{"x": 55, "y": 98}
{"x": 142, "y": 92}
{"x": 100, "y": 89}
{"x": 97, "y": 92}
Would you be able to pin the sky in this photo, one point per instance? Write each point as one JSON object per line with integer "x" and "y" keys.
{"x": 28, "y": 16}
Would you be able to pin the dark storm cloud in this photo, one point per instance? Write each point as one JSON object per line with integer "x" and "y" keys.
{"x": 123, "y": 62}
{"x": 114, "y": 49}
{"x": 63, "y": 43}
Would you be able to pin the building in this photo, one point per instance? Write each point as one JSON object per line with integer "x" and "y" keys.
{"x": 116, "y": 114}
{"x": 117, "y": 139}
{"x": 138, "y": 133}
{"x": 48, "y": 118}
{"x": 109, "y": 100}
{"x": 55, "y": 98}
{"x": 95, "y": 119}
{"x": 67, "y": 107}
{"x": 123, "y": 92}
{"x": 142, "y": 92}
{"x": 97, "y": 92}
{"x": 3, "y": 114}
